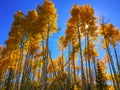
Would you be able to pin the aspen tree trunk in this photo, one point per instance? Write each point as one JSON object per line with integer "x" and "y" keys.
{"x": 62, "y": 68}
{"x": 59, "y": 84}
{"x": 43, "y": 68}
{"x": 110, "y": 58}
{"x": 45, "y": 62}
{"x": 116, "y": 55}
{"x": 29, "y": 71}
{"x": 69, "y": 75}
{"x": 90, "y": 74}
{"x": 87, "y": 81}
{"x": 19, "y": 67}
{"x": 9, "y": 82}
{"x": 10, "y": 78}
{"x": 112, "y": 74}
{"x": 94, "y": 65}
{"x": 74, "y": 70}
{"x": 25, "y": 73}
{"x": 112, "y": 64}
{"x": 118, "y": 65}
{"x": 82, "y": 72}
{"x": 74, "y": 65}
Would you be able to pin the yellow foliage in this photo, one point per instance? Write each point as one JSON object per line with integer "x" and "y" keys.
{"x": 47, "y": 17}
{"x": 62, "y": 43}
{"x": 110, "y": 34}
{"x": 75, "y": 87}
{"x": 92, "y": 50}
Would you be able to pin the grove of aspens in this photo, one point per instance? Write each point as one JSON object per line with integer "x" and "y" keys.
{"x": 26, "y": 62}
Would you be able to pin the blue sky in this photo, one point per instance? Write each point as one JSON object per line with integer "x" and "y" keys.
{"x": 109, "y": 8}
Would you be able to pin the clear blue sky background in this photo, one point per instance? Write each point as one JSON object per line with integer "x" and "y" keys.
{"x": 109, "y": 8}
